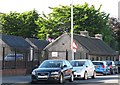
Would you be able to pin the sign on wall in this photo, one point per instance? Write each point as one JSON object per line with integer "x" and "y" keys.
{"x": 54, "y": 54}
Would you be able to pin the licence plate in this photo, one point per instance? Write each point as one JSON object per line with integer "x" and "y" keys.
{"x": 42, "y": 76}
{"x": 96, "y": 66}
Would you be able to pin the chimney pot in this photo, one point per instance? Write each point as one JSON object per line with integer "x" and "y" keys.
{"x": 98, "y": 36}
{"x": 84, "y": 33}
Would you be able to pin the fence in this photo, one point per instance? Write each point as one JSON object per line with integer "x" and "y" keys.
{"x": 19, "y": 58}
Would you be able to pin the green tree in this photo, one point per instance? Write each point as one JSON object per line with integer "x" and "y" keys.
{"x": 85, "y": 18}
{"x": 115, "y": 25}
{"x": 20, "y": 24}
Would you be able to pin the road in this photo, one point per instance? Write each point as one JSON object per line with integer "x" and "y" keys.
{"x": 100, "y": 80}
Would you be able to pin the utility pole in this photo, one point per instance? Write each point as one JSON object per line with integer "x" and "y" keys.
{"x": 72, "y": 30}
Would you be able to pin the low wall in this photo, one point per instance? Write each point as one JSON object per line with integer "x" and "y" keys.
{"x": 11, "y": 72}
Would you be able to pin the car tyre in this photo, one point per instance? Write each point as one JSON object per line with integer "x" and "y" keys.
{"x": 71, "y": 78}
{"x": 85, "y": 76}
{"x": 61, "y": 79}
{"x": 94, "y": 75}
{"x": 113, "y": 72}
{"x": 33, "y": 82}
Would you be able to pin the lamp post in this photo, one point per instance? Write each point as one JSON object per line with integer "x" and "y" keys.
{"x": 72, "y": 30}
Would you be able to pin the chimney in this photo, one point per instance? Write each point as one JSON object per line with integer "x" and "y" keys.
{"x": 98, "y": 36}
{"x": 84, "y": 33}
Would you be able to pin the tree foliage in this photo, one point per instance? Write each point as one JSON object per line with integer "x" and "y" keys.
{"x": 115, "y": 25}
{"x": 31, "y": 24}
{"x": 85, "y": 18}
{"x": 20, "y": 24}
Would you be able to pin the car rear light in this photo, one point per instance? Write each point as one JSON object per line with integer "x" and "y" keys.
{"x": 103, "y": 66}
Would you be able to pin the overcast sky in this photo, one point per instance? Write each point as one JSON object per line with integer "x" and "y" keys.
{"x": 108, "y": 6}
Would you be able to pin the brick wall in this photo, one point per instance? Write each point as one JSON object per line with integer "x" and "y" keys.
{"x": 11, "y": 72}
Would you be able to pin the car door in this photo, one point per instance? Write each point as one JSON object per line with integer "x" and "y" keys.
{"x": 91, "y": 68}
{"x": 67, "y": 69}
{"x": 87, "y": 67}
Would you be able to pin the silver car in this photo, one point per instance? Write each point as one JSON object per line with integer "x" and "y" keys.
{"x": 83, "y": 68}
{"x": 12, "y": 57}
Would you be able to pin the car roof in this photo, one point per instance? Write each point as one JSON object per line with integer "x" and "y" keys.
{"x": 98, "y": 61}
{"x": 80, "y": 60}
{"x": 109, "y": 61}
{"x": 55, "y": 60}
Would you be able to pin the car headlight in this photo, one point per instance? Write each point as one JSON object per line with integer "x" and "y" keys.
{"x": 33, "y": 72}
{"x": 54, "y": 73}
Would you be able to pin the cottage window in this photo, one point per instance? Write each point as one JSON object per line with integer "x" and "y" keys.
{"x": 97, "y": 58}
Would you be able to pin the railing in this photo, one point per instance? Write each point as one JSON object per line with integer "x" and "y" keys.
{"x": 29, "y": 65}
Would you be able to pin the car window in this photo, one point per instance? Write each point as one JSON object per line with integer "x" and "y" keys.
{"x": 109, "y": 63}
{"x": 51, "y": 64}
{"x": 77, "y": 63}
{"x": 87, "y": 63}
{"x": 11, "y": 57}
{"x": 98, "y": 63}
{"x": 90, "y": 62}
{"x": 67, "y": 63}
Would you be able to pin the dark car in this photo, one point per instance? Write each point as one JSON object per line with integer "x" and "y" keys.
{"x": 112, "y": 67}
{"x": 117, "y": 63}
{"x": 49, "y": 70}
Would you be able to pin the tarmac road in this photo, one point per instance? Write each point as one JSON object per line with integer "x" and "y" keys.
{"x": 100, "y": 80}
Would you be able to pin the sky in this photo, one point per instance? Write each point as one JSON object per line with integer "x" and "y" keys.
{"x": 108, "y": 6}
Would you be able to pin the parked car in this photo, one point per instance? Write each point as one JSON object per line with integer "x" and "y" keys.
{"x": 83, "y": 68}
{"x": 117, "y": 63}
{"x": 49, "y": 70}
{"x": 112, "y": 67}
{"x": 11, "y": 57}
{"x": 101, "y": 67}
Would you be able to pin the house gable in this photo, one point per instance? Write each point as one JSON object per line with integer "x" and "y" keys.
{"x": 38, "y": 44}
{"x": 62, "y": 43}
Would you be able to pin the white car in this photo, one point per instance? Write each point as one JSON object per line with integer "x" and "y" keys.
{"x": 83, "y": 68}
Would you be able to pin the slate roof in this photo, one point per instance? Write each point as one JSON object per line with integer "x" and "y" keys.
{"x": 95, "y": 46}
{"x": 40, "y": 44}
{"x": 15, "y": 41}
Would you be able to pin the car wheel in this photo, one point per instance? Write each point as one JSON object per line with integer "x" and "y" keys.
{"x": 85, "y": 76}
{"x": 61, "y": 79}
{"x": 33, "y": 82}
{"x": 94, "y": 75}
{"x": 71, "y": 78}
{"x": 113, "y": 71}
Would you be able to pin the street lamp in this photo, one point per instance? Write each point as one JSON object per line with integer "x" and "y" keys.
{"x": 72, "y": 30}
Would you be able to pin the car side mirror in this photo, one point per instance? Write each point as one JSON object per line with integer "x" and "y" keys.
{"x": 86, "y": 66}
{"x": 64, "y": 66}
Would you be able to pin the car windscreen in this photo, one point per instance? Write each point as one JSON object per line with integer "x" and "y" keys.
{"x": 51, "y": 64}
{"x": 13, "y": 55}
{"x": 98, "y": 63}
{"x": 77, "y": 63}
{"x": 109, "y": 63}
{"x": 10, "y": 55}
